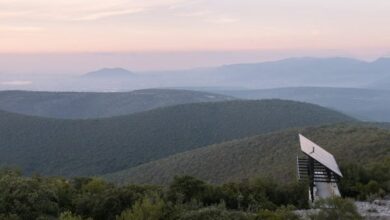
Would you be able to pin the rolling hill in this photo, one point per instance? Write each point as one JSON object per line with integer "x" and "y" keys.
{"x": 99, "y": 146}
{"x": 95, "y": 105}
{"x": 272, "y": 155}
{"x": 364, "y": 104}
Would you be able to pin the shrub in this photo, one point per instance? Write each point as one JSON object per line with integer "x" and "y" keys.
{"x": 215, "y": 213}
{"x": 336, "y": 208}
{"x": 149, "y": 208}
{"x": 69, "y": 216}
{"x": 283, "y": 213}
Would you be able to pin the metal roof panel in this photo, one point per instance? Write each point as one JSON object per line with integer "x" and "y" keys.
{"x": 319, "y": 154}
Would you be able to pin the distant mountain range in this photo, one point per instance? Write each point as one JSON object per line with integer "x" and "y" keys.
{"x": 110, "y": 73}
{"x": 269, "y": 155}
{"x": 294, "y": 72}
{"x": 335, "y": 72}
{"x": 96, "y": 105}
{"x": 365, "y": 104}
{"x": 100, "y": 146}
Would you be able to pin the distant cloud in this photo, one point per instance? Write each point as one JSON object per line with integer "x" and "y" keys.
{"x": 106, "y": 14}
{"x": 20, "y": 29}
{"x": 78, "y": 10}
{"x": 16, "y": 83}
{"x": 12, "y": 14}
{"x": 208, "y": 16}
{"x": 315, "y": 32}
{"x": 194, "y": 13}
{"x": 222, "y": 20}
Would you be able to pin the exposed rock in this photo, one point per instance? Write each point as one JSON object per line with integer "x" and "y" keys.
{"x": 378, "y": 209}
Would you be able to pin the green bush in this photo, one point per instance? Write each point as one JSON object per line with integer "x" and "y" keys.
{"x": 186, "y": 188}
{"x": 283, "y": 213}
{"x": 149, "y": 208}
{"x": 9, "y": 217}
{"x": 27, "y": 198}
{"x": 215, "y": 213}
{"x": 336, "y": 208}
{"x": 69, "y": 216}
{"x": 364, "y": 182}
{"x": 44, "y": 198}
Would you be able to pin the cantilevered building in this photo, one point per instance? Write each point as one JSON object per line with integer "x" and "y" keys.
{"x": 319, "y": 168}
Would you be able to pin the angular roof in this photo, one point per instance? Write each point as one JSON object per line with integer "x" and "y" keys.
{"x": 322, "y": 156}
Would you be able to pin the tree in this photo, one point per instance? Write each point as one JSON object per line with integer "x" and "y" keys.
{"x": 186, "y": 188}
{"x": 28, "y": 198}
{"x": 149, "y": 208}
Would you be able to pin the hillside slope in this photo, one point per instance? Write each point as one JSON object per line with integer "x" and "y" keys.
{"x": 95, "y": 105}
{"x": 98, "y": 146}
{"x": 365, "y": 104}
{"x": 272, "y": 155}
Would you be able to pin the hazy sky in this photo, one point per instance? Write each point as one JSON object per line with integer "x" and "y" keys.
{"x": 357, "y": 27}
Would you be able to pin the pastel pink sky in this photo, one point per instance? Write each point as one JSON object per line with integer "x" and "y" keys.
{"x": 358, "y": 28}
{"x": 28, "y": 26}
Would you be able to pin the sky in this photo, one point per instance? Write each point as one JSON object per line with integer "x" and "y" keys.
{"x": 142, "y": 28}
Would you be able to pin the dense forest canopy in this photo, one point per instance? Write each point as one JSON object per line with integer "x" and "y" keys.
{"x": 270, "y": 155}
{"x": 362, "y": 103}
{"x": 98, "y": 146}
{"x": 76, "y": 105}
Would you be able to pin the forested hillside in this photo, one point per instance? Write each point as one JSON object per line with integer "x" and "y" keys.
{"x": 95, "y": 105}
{"x": 269, "y": 155}
{"x": 365, "y": 104}
{"x": 99, "y": 146}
